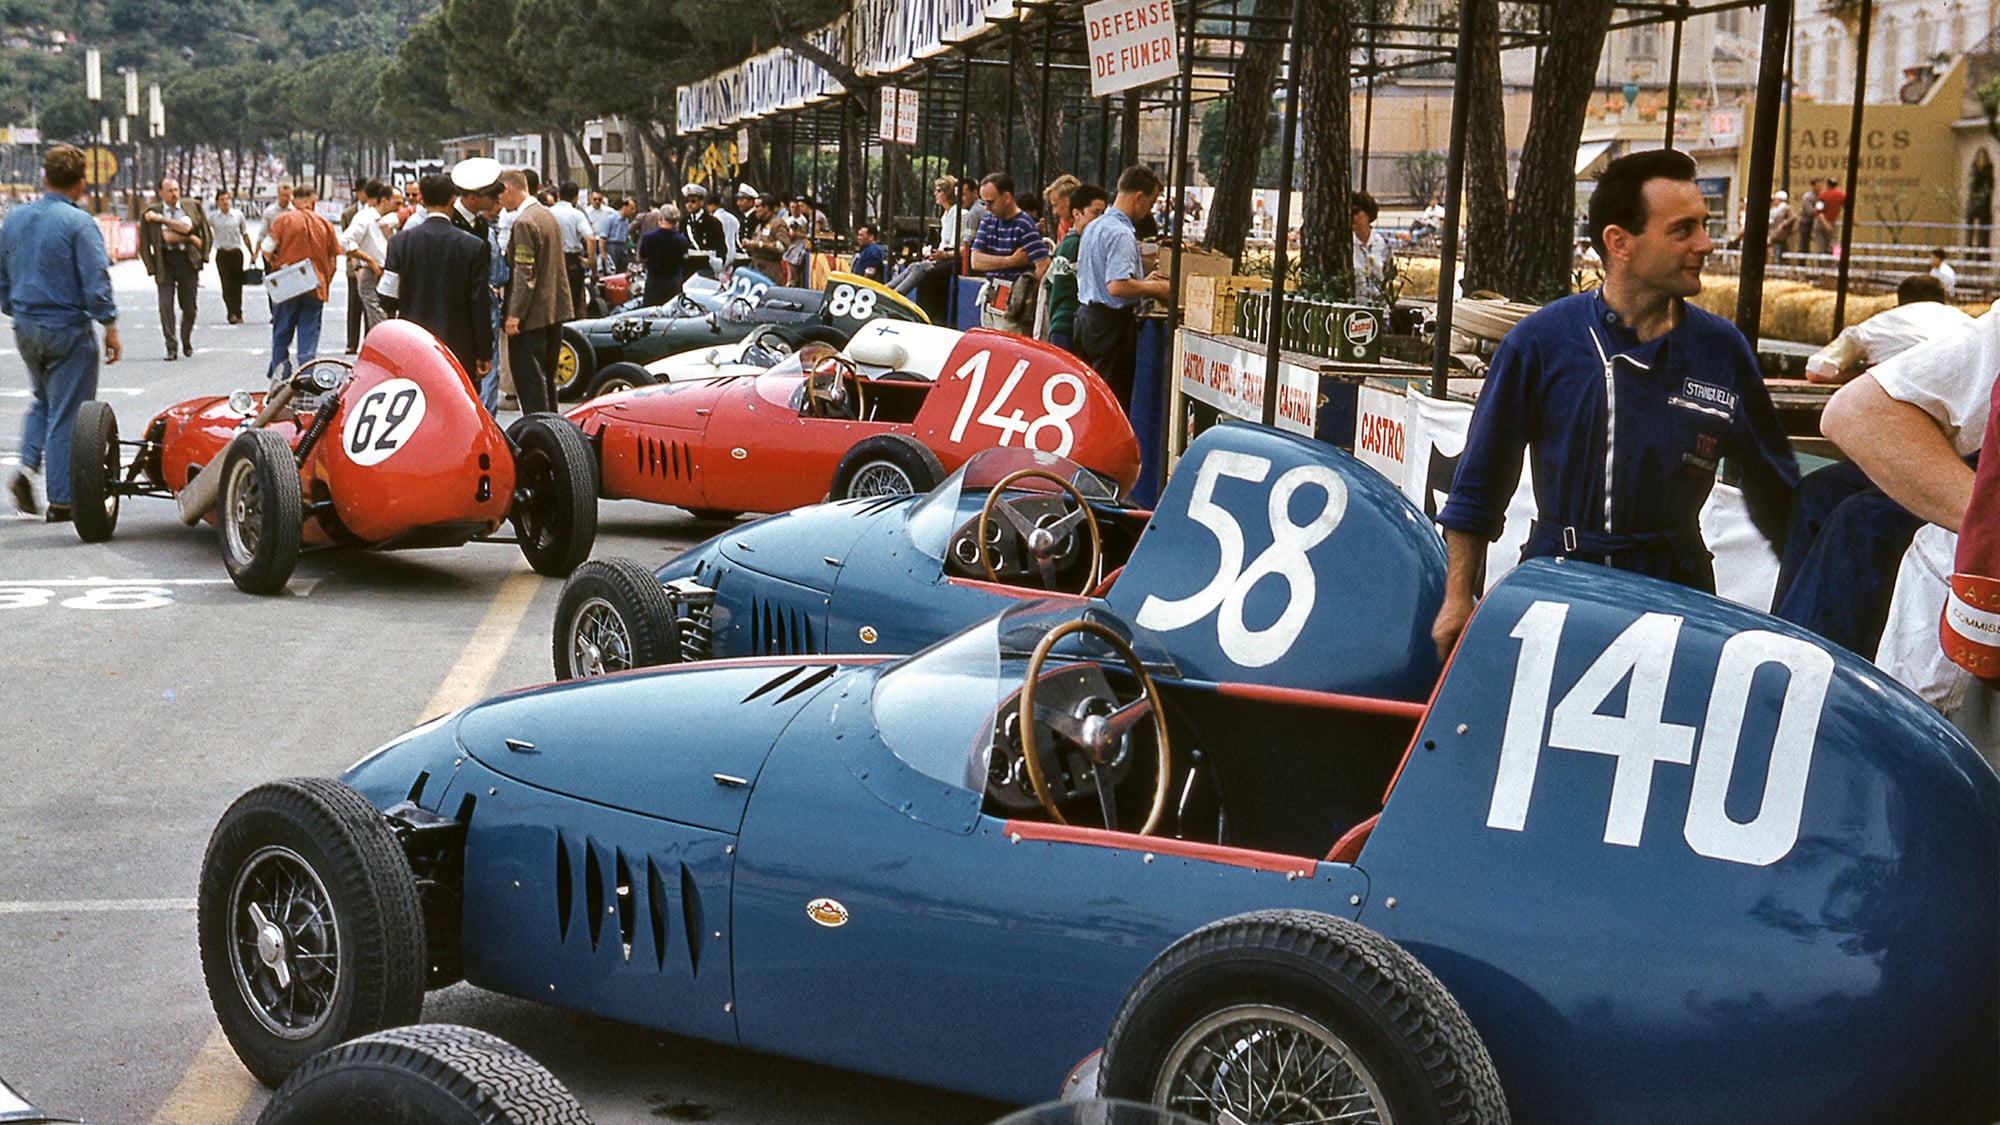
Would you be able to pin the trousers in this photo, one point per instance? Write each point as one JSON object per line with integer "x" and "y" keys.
{"x": 299, "y": 316}
{"x": 62, "y": 374}
{"x": 178, "y": 280}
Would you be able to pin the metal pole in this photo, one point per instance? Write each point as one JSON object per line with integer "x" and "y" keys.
{"x": 1177, "y": 218}
{"x": 1007, "y": 127}
{"x": 1278, "y": 244}
{"x": 1763, "y": 147}
{"x": 1454, "y": 186}
{"x": 1853, "y": 163}
{"x": 958, "y": 252}
{"x": 1042, "y": 137}
{"x": 1368, "y": 100}
{"x": 1674, "y": 75}
{"x": 1791, "y": 82}
{"x": 1103, "y": 139}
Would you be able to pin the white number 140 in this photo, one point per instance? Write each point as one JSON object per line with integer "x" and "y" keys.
{"x": 1639, "y": 739}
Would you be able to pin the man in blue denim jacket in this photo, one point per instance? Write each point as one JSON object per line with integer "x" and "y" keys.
{"x": 55, "y": 279}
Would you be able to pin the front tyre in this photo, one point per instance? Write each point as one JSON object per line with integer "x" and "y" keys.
{"x": 261, "y": 511}
{"x": 430, "y": 1074}
{"x": 555, "y": 493}
{"x": 886, "y": 465}
{"x": 1293, "y": 1016}
{"x": 613, "y": 616}
{"x": 310, "y": 927}
{"x": 93, "y": 472}
{"x": 620, "y": 376}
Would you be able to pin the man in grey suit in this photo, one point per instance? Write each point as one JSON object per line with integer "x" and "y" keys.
{"x": 436, "y": 275}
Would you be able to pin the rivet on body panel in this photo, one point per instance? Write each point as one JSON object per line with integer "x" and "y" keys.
{"x": 1462, "y": 728}
{"x": 1390, "y": 903}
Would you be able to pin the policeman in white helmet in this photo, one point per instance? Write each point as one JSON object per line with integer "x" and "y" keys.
{"x": 477, "y": 210}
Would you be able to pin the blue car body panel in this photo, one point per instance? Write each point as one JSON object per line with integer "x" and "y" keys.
{"x": 1677, "y": 860}
{"x": 822, "y": 579}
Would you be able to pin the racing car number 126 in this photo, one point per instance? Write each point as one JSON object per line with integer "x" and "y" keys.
{"x": 1640, "y": 738}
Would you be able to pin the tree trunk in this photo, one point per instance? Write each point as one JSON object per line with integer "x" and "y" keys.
{"x": 1485, "y": 152}
{"x": 1326, "y": 235}
{"x": 635, "y": 157}
{"x": 591, "y": 177}
{"x": 1541, "y": 231}
{"x": 1249, "y": 109}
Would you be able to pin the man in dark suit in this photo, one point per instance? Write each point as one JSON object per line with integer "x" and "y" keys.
{"x": 436, "y": 276}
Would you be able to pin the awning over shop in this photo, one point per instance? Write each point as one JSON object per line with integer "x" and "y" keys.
{"x": 1588, "y": 153}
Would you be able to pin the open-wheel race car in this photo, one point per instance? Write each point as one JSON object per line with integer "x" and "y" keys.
{"x": 884, "y": 574}
{"x": 601, "y": 355}
{"x": 391, "y": 453}
{"x": 1640, "y": 855}
{"x": 874, "y": 420}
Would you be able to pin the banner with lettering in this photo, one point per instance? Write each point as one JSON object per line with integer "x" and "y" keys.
{"x": 1132, "y": 43}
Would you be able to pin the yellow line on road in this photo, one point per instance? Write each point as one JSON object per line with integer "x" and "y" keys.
{"x": 212, "y": 1090}
{"x": 215, "y": 1087}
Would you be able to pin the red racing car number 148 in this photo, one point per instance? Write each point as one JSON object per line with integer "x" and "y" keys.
{"x": 1055, "y": 416}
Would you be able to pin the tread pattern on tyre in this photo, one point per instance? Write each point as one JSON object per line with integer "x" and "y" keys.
{"x": 569, "y": 537}
{"x": 491, "y": 1078}
{"x": 90, "y": 483}
{"x": 648, "y": 615}
{"x": 380, "y": 919}
{"x": 1347, "y": 957}
{"x": 284, "y": 506}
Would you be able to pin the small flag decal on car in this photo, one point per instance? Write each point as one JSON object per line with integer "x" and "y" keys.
{"x": 827, "y": 913}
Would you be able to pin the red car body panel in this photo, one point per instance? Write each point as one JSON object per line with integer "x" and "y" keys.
{"x": 742, "y": 444}
{"x": 409, "y": 447}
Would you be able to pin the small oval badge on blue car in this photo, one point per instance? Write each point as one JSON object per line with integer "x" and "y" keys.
{"x": 827, "y": 913}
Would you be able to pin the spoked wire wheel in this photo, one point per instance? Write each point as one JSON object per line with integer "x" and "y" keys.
{"x": 1256, "y": 1063}
{"x": 284, "y": 952}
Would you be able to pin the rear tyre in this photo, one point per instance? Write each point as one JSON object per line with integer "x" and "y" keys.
{"x": 93, "y": 472}
{"x": 886, "y": 465}
{"x": 576, "y": 364}
{"x": 613, "y": 616}
{"x": 1316, "y": 1016}
{"x": 310, "y": 927}
{"x": 260, "y": 511}
{"x": 430, "y": 1074}
{"x": 555, "y": 493}
{"x": 620, "y": 377}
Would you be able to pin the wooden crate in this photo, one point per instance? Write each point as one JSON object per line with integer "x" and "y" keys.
{"x": 1209, "y": 301}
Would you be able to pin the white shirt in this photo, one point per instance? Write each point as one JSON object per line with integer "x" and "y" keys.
{"x": 1888, "y": 334}
{"x": 949, "y": 226}
{"x": 731, "y": 225}
{"x": 364, "y": 233}
{"x": 1947, "y": 277}
{"x": 575, "y": 226}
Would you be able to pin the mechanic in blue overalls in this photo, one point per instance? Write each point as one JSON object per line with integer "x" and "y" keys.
{"x": 1627, "y": 398}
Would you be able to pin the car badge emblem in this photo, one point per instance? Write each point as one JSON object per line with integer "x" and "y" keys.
{"x": 868, "y": 635}
{"x": 739, "y": 453}
{"x": 827, "y": 913}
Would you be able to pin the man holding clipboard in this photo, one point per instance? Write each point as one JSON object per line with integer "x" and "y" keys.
{"x": 299, "y": 253}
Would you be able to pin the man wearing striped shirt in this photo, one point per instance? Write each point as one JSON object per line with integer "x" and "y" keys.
{"x": 1007, "y": 247}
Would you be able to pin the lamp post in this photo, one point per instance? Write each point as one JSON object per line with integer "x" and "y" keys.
{"x": 125, "y": 130}
{"x": 93, "y": 92}
{"x": 156, "y": 121}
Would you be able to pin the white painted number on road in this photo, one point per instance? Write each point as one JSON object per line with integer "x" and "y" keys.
{"x": 382, "y": 421}
{"x": 125, "y": 596}
{"x": 851, "y": 301}
{"x": 1055, "y": 415}
{"x": 1233, "y": 581}
{"x": 1641, "y": 658}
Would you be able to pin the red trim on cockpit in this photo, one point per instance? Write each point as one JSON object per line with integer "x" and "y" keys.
{"x": 1324, "y": 700}
{"x": 1007, "y": 591}
{"x": 1160, "y": 845}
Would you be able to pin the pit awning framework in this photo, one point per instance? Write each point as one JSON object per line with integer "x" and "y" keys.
{"x": 936, "y": 45}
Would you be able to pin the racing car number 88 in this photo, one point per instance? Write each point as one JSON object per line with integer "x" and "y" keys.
{"x": 384, "y": 418}
{"x": 852, "y": 301}
{"x": 1640, "y": 738}
{"x": 1233, "y": 581}
{"x": 1055, "y": 415}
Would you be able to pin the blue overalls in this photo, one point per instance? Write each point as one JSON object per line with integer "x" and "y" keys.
{"x": 1625, "y": 437}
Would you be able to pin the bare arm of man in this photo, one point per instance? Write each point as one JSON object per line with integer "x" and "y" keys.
{"x": 1463, "y": 552}
{"x": 1902, "y": 449}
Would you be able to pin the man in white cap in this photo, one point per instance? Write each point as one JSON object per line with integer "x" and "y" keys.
{"x": 474, "y": 211}
{"x": 703, "y": 229}
{"x": 1783, "y": 223}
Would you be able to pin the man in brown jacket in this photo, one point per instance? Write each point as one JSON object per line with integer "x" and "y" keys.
{"x": 174, "y": 244}
{"x": 538, "y": 296}
{"x": 299, "y": 234}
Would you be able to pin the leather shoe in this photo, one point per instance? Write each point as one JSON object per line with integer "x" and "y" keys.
{"x": 58, "y": 513}
{"x": 172, "y": 356}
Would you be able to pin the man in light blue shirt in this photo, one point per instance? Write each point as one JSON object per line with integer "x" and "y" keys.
{"x": 55, "y": 279}
{"x": 1109, "y": 285}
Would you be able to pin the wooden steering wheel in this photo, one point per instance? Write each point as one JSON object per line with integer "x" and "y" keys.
{"x": 1095, "y": 723}
{"x": 840, "y": 380}
{"x": 1041, "y": 540}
